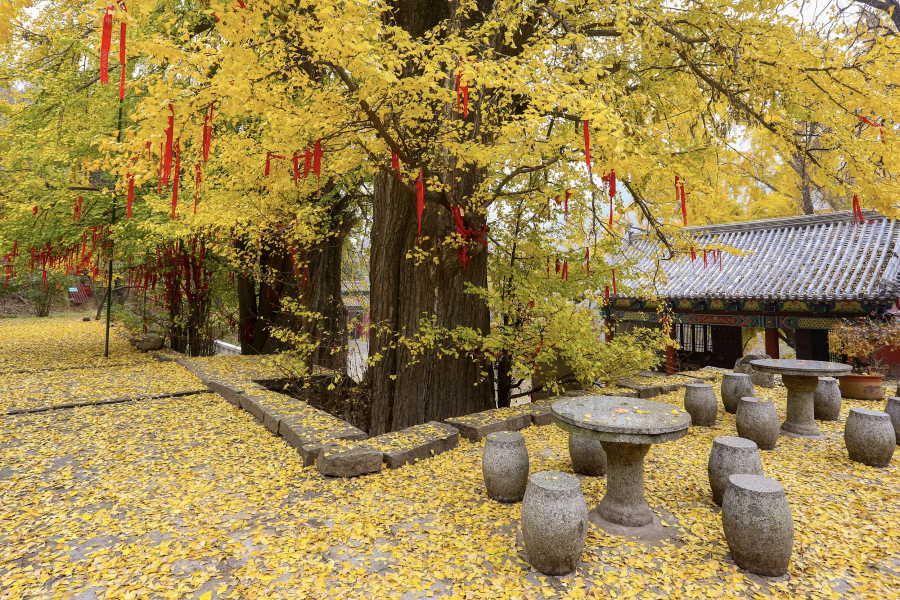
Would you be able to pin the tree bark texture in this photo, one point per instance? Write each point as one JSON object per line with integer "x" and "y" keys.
{"x": 435, "y": 386}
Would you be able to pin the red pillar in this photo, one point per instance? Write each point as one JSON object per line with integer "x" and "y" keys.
{"x": 671, "y": 355}
{"x": 772, "y": 342}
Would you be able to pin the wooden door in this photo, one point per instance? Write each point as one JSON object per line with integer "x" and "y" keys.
{"x": 727, "y": 346}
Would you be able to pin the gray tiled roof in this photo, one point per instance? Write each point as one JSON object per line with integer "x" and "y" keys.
{"x": 812, "y": 257}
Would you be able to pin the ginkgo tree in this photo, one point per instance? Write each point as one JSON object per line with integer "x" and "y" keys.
{"x": 463, "y": 123}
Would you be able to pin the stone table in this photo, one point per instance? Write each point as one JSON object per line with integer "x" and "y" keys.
{"x": 801, "y": 378}
{"x": 625, "y": 427}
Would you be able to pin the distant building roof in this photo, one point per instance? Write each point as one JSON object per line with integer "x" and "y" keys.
{"x": 823, "y": 257}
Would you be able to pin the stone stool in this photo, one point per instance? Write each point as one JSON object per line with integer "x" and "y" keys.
{"x": 870, "y": 437}
{"x": 554, "y": 522}
{"x": 504, "y": 464}
{"x": 588, "y": 457}
{"x": 758, "y": 526}
{"x": 892, "y": 408}
{"x": 734, "y": 387}
{"x": 700, "y": 402}
{"x": 827, "y": 400}
{"x": 757, "y": 420}
{"x": 729, "y": 456}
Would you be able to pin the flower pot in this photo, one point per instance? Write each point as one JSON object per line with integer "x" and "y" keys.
{"x": 862, "y": 387}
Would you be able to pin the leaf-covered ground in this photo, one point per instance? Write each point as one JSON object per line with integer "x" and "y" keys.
{"x": 190, "y": 498}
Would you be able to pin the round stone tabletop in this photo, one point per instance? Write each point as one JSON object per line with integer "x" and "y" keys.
{"x": 627, "y": 420}
{"x": 803, "y": 368}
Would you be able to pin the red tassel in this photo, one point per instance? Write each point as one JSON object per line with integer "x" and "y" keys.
{"x": 420, "y": 201}
{"x": 395, "y": 164}
{"x": 160, "y": 169}
{"x": 858, "y": 215}
{"x": 307, "y": 163}
{"x": 170, "y": 138}
{"x": 105, "y": 43}
{"x": 317, "y": 158}
{"x": 565, "y": 271}
{"x": 207, "y": 132}
{"x": 465, "y": 92}
{"x": 122, "y": 57}
{"x": 557, "y": 266}
{"x": 130, "y": 196}
{"x": 614, "y": 282}
{"x": 197, "y": 186}
{"x": 587, "y": 257}
{"x": 680, "y": 196}
{"x": 269, "y": 157}
{"x": 693, "y": 254}
{"x": 610, "y": 181}
{"x": 587, "y": 148}
{"x": 177, "y": 173}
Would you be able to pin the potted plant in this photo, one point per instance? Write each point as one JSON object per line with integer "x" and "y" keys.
{"x": 861, "y": 340}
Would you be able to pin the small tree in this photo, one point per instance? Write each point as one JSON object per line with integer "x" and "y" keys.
{"x": 861, "y": 339}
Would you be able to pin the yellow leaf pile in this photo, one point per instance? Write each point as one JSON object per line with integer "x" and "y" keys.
{"x": 189, "y": 497}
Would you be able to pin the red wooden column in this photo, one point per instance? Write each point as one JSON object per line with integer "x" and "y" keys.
{"x": 772, "y": 342}
{"x": 671, "y": 354}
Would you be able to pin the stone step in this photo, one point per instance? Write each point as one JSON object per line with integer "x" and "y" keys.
{"x": 415, "y": 443}
{"x": 348, "y": 459}
{"x": 478, "y": 425}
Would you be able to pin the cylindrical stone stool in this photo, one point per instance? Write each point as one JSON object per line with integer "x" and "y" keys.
{"x": 892, "y": 408}
{"x": 827, "y": 399}
{"x": 870, "y": 437}
{"x": 757, "y": 420}
{"x": 700, "y": 402}
{"x": 588, "y": 457}
{"x": 504, "y": 464}
{"x": 734, "y": 387}
{"x": 554, "y": 522}
{"x": 758, "y": 526}
{"x": 729, "y": 456}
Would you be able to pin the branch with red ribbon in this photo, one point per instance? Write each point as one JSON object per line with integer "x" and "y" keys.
{"x": 858, "y": 215}
{"x": 878, "y": 126}
{"x": 468, "y": 234}
{"x": 610, "y": 182}
{"x": 680, "y": 196}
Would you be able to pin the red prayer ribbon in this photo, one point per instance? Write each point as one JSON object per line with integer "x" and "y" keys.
{"x": 105, "y": 43}
{"x": 130, "y": 196}
{"x": 610, "y": 180}
{"x": 170, "y": 138}
{"x": 879, "y": 126}
{"x": 395, "y": 164}
{"x": 614, "y": 282}
{"x": 567, "y": 205}
{"x": 587, "y": 257}
{"x": 679, "y": 195}
{"x": 317, "y": 158}
{"x": 307, "y": 163}
{"x": 177, "y": 171}
{"x": 207, "y": 132}
{"x": 858, "y": 215}
{"x": 420, "y": 201}
{"x": 269, "y": 157}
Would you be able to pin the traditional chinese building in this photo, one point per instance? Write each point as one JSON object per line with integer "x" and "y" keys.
{"x": 798, "y": 278}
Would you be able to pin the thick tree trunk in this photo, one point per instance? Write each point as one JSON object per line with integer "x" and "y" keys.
{"x": 436, "y": 385}
{"x": 262, "y": 312}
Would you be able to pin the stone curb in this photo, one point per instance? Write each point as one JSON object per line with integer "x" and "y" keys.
{"x": 477, "y": 426}
{"x": 348, "y": 459}
{"x": 416, "y": 443}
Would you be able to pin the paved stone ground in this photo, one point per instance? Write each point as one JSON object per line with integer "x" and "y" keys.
{"x": 192, "y": 498}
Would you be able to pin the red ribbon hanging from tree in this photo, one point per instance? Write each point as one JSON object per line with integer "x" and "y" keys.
{"x": 420, "y": 201}
{"x": 307, "y": 163}
{"x": 468, "y": 234}
{"x": 464, "y": 89}
{"x": 587, "y": 258}
{"x": 207, "y": 132}
{"x": 160, "y": 168}
{"x": 679, "y": 195}
{"x": 879, "y": 126}
{"x": 269, "y": 157}
{"x": 615, "y": 291}
{"x": 317, "y": 159}
{"x": 199, "y": 178}
{"x": 704, "y": 258}
{"x": 34, "y": 211}
{"x": 177, "y": 173}
{"x": 130, "y": 196}
{"x": 395, "y": 164}
{"x": 105, "y": 43}
{"x": 170, "y": 139}
{"x": 858, "y": 215}
{"x": 565, "y": 270}
{"x": 567, "y": 205}
{"x": 693, "y": 254}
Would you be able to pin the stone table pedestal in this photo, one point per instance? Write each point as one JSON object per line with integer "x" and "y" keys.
{"x": 626, "y": 428}
{"x": 801, "y": 378}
